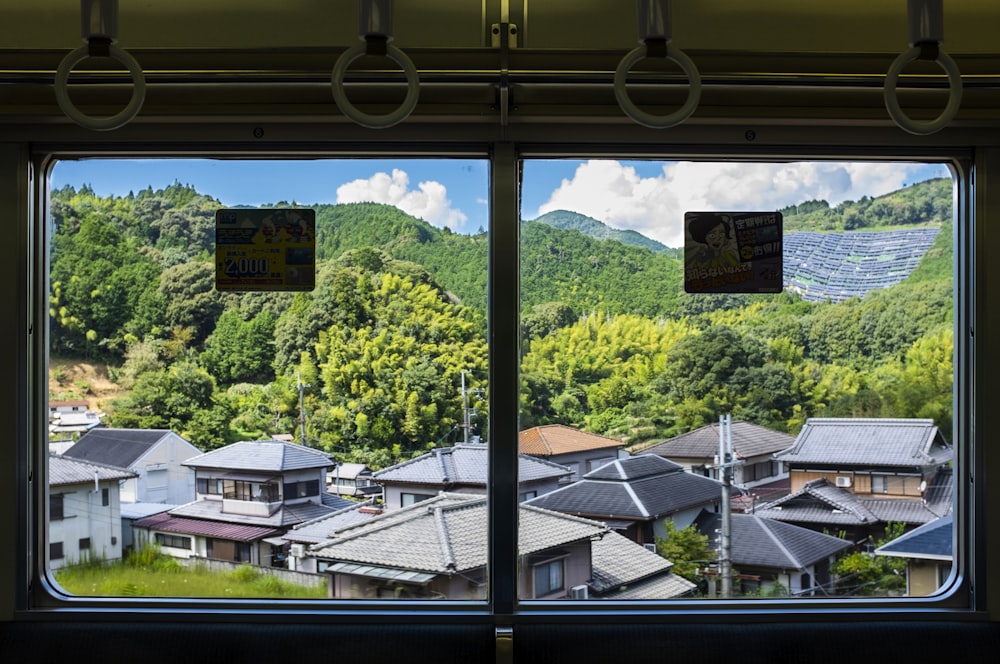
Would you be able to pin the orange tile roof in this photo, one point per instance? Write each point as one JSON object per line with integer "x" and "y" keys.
{"x": 559, "y": 439}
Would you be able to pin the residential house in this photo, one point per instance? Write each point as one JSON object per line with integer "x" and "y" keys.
{"x": 752, "y": 445}
{"x": 84, "y": 511}
{"x": 579, "y": 451}
{"x": 636, "y": 495}
{"x": 68, "y": 420}
{"x": 437, "y": 549}
{"x": 156, "y": 456}
{"x": 891, "y": 458}
{"x": 248, "y": 495}
{"x": 771, "y": 556}
{"x": 353, "y": 480}
{"x": 58, "y": 408}
{"x": 929, "y": 555}
{"x": 300, "y": 537}
{"x": 462, "y": 468}
{"x": 821, "y": 506}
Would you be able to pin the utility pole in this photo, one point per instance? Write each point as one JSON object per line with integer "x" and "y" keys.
{"x": 466, "y": 411}
{"x": 302, "y": 407}
{"x": 725, "y": 465}
{"x": 466, "y": 420}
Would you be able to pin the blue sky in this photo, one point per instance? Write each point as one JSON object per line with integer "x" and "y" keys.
{"x": 650, "y": 197}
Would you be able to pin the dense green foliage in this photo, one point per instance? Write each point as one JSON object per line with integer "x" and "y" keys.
{"x": 375, "y": 355}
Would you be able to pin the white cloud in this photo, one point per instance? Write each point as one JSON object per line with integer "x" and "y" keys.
{"x": 429, "y": 201}
{"x": 618, "y": 195}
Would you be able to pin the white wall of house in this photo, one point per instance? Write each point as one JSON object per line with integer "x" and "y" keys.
{"x": 162, "y": 478}
{"x": 85, "y": 516}
{"x": 393, "y": 493}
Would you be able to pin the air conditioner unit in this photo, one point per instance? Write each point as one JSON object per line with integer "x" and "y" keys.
{"x": 650, "y": 546}
{"x": 298, "y": 550}
{"x": 579, "y": 592}
{"x": 843, "y": 482}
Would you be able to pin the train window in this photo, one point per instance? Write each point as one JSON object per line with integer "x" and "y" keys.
{"x": 236, "y": 442}
{"x": 677, "y": 441}
{"x": 771, "y": 433}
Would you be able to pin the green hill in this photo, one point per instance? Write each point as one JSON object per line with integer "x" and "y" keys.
{"x": 573, "y": 221}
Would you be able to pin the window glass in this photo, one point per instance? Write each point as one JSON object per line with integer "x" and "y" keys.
{"x": 761, "y": 417}
{"x": 216, "y": 423}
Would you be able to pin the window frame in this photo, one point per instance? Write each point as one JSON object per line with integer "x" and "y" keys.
{"x": 504, "y": 335}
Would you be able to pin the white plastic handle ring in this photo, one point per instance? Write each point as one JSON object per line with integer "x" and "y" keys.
{"x": 902, "y": 120}
{"x": 648, "y": 119}
{"x": 364, "y": 119}
{"x": 100, "y": 124}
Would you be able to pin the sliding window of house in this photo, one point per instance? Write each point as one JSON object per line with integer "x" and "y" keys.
{"x": 747, "y": 372}
{"x": 268, "y": 379}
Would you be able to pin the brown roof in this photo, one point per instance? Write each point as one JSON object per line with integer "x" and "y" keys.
{"x": 559, "y": 439}
{"x": 232, "y": 531}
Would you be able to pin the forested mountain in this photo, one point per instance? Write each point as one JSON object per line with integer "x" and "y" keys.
{"x": 610, "y": 341}
{"x": 574, "y": 221}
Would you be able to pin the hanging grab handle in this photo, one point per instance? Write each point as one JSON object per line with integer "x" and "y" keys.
{"x": 655, "y": 33}
{"x": 99, "y": 20}
{"x": 926, "y": 33}
{"x": 376, "y": 31}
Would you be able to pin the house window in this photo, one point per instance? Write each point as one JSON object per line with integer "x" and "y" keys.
{"x": 105, "y": 497}
{"x": 84, "y": 543}
{"x": 549, "y": 577}
{"x": 880, "y": 484}
{"x": 209, "y": 486}
{"x": 174, "y": 541}
{"x": 56, "y": 550}
{"x": 251, "y": 491}
{"x": 221, "y": 549}
{"x": 56, "y": 507}
{"x": 406, "y": 499}
{"x": 527, "y": 495}
{"x": 302, "y": 489}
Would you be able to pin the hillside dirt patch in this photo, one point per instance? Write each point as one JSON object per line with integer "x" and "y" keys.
{"x": 74, "y": 379}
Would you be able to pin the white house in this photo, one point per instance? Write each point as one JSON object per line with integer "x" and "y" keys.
{"x": 84, "y": 511}
{"x": 156, "y": 456}
{"x": 248, "y": 495}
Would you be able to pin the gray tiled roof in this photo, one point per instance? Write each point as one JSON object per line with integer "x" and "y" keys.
{"x": 446, "y": 534}
{"x": 463, "y": 464}
{"x": 116, "y": 447}
{"x": 284, "y": 517}
{"x": 931, "y": 541}
{"x": 759, "y": 542}
{"x": 749, "y": 440}
{"x": 64, "y": 471}
{"x": 262, "y": 455}
{"x": 324, "y": 528}
{"x": 618, "y": 561}
{"x": 622, "y": 569}
{"x": 663, "y": 586}
{"x": 635, "y": 468}
{"x": 868, "y": 443}
{"x": 819, "y": 502}
{"x": 628, "y": 490}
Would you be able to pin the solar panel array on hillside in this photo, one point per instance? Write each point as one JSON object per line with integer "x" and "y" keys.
{"x": 839, "y": 266}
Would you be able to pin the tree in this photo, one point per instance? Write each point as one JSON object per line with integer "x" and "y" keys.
{"x": 687, "y": 549}
{"x": 863, "y": 573}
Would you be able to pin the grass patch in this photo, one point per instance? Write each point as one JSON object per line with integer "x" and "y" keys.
{"x": 147, "y": 574}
